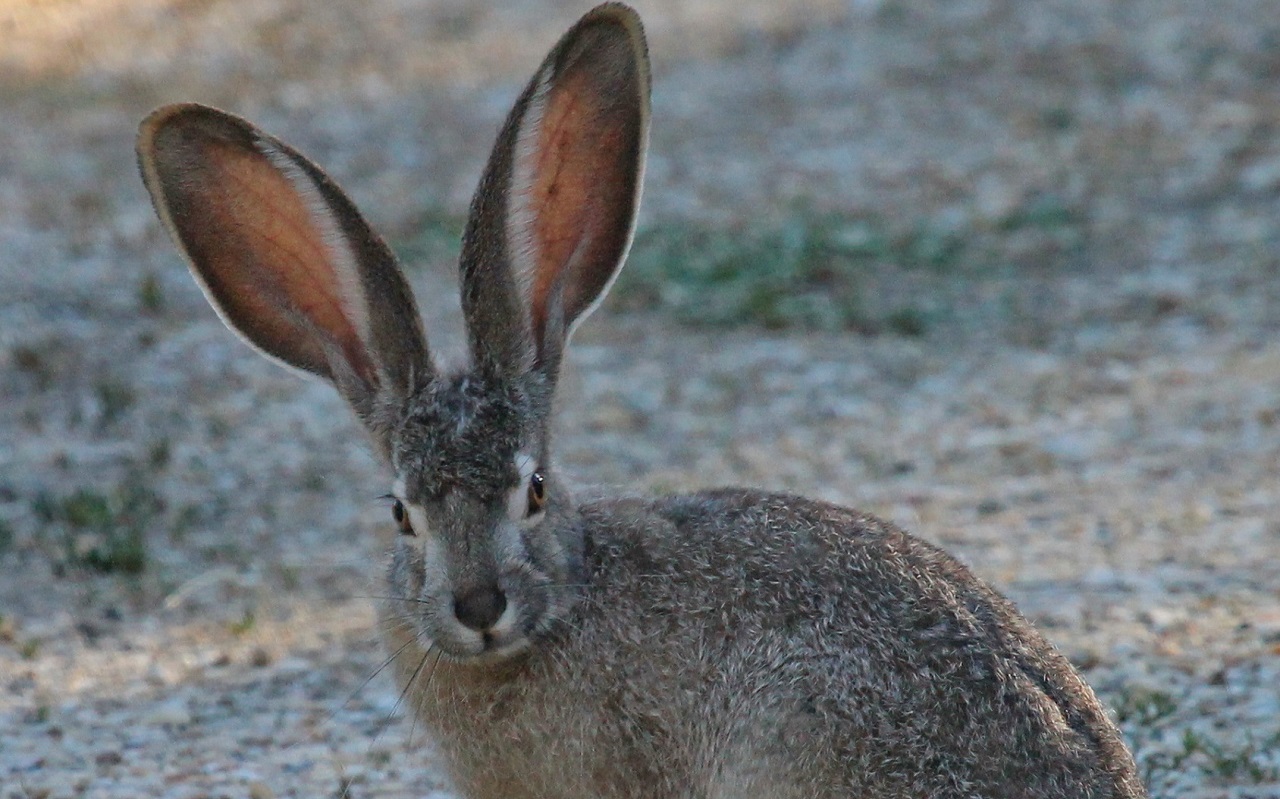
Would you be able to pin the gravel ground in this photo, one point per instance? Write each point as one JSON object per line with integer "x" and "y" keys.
{"x": 1091, "y": 419}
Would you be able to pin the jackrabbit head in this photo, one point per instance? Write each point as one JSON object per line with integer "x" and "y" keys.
{"x": 491, "y": 550}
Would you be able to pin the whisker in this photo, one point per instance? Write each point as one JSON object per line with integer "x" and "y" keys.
{"x": 400, "y": 620}
{"x": 329, "y": 717}
{"x": 435, "y": 666}
{"x": 404, "y": 692}
{"x": 393, "y": 598}
{"x": 367, "y": 680}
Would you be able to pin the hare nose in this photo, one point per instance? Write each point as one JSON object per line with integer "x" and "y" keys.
{"x": 479, "y": 608}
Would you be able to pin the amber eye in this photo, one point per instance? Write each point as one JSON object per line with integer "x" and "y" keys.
{"x": 402, "y": 518}
{"x": 537, "y": 493}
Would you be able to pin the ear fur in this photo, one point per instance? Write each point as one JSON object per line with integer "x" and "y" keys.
{"x": 282, "y": 254}
{"x": 554, "y": 214}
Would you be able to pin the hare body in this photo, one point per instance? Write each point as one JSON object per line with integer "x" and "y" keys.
{"x": 725, "y": 644}
{"x": 739, "y": 644}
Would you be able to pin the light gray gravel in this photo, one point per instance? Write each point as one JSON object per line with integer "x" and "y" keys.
{"x": 1092, "y": 421}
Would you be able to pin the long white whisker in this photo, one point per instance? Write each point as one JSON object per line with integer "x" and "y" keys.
{"x": 400, "y": 699}
{"x": 435, "y": 665}
{"x": 368, "y": 680}
{"x": 393, "y": 598}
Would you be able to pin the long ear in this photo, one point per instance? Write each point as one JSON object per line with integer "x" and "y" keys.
{"x": 555, "y": 211}
{"x": 282, "y": 254}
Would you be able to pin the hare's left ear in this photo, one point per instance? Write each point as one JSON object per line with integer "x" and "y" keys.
{"x": 284, "y": 256}
{"x": 555, "y": 211}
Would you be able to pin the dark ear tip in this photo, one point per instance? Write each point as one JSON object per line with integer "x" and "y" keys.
{"x": 178, "y": 123}
{"x": 620, "y": 26}
{"x": 621, "y": 16}
{"x": 620, "y": 12}
{"x": 167, "y": 116}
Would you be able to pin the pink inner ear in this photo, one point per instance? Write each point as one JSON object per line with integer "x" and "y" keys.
{"x": 583, "y": 189}
{"x": 253, "y": 236}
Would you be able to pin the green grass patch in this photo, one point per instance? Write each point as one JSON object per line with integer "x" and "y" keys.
{"x": 248, "y": 620}
{"x": 809, "y": 270}
{"x": 150, "y": 294}
{"x": 1149, "y": 717}
{"x": 1144, "y": 707}
{"x": 804, "y": 272}
{"x": 104, "y": 533}
{"x": 6, "y": 539}
{"x": 1047, "y": 213}
{"x": 115, "y": 397}
{"x": 1254, "y": 761}
{"x": 437, "y": 237}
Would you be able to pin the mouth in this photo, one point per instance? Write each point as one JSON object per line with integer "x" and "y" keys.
{"x": 502, "y": 649}
{"x": 484, "y": 648}
{"x": 456, "y": 642}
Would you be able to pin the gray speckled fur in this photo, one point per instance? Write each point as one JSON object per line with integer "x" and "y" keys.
{"x": 734, "y": 643}
{"x": 731, "y": 643}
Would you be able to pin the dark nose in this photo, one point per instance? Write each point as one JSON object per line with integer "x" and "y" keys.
{"x": 479, "y": 608}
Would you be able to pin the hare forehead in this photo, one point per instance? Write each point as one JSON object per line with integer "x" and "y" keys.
{"x": 462, "y": 434}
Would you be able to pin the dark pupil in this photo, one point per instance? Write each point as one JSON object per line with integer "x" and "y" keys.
{"x": 397, "y": 511}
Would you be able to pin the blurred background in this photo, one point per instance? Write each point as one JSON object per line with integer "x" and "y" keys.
{"x": 1006, "y": 273}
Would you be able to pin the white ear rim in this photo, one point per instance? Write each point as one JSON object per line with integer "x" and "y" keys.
{"x": 520, "y": 216}
{"x": 645, "y": 80}
{"x": 522, "y": 249}
{"x": 631, "y": 234}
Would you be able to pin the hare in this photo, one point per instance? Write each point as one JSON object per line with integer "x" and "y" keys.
{"x": 729, "y": 643}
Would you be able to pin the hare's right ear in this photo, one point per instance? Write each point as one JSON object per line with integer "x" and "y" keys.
{"x": 555, "y": 211}
{"x": 283, "y": 255}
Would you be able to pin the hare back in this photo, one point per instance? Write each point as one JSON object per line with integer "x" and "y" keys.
{"x": 733, "y": 643}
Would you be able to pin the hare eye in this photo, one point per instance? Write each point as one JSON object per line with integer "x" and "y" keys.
{"x": 402, "y": 518}
{"x": 537, "y": 493}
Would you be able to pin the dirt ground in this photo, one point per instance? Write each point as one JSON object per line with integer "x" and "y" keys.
{"x": 1083, "y": 204}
